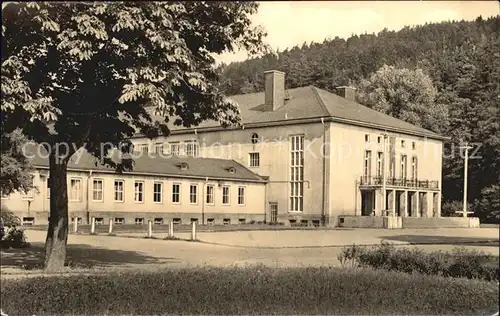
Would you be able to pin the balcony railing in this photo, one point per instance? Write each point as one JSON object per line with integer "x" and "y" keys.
{"x": 395, "y": 182}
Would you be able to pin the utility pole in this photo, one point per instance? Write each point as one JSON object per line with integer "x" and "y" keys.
{"x": 466, "y": 165}
{"x": 384, "y": 172}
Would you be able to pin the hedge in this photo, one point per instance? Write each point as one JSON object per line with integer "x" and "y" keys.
{"x": 460, "y": 263}
{"x": 255, "y": 290}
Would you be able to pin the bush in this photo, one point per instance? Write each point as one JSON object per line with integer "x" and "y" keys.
{"x": 458, "y": 264}
{"x": 255, "y": 290}
{"x": 15, "y": 238}
{"x": 8, "y": 218}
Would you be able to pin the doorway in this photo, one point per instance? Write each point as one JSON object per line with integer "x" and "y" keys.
{"x": 273, "y": 212}
{"x": 367, "y": 202}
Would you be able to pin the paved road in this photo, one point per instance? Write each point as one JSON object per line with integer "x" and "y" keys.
{"x": 106, "y": 251}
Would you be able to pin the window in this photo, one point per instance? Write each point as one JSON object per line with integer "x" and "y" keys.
{"x": 28, "y": 221}
{"x": 225, "y": 195}
{"x": 158, "y": 192}
{"x": 210, "y": 221}
{"x": 226, "y": 221}
{"x": 158, "y": 221}
{"x": 158, "y": 149}
{"x": 380, "y": 159}
{"x": 254, "y": 138}
{"x": 194, "y": 220}
{"x": 297, "y": 173}
{"x": 119, "y": 220}
{"x": 210, "y": 194}
{"x": 78, "y": 220}
{"x": 139, "y": 191}
{"x": 413, "y": 145}
{"x": 254, "y": 159}
{"x": 97, "y": 190}
{"x": 119, "y": 190}
{"x": 241, "y": 196}
{"x": 367, "y": 138}
{"x": 241, "y": 221}
{"x": 143, "y": 148}
{"x": 379, "y": 139}
{"x": 414, "y": 168}
{"x": 403, "y": 166}
{"x": 31, "y": 193}
{"x": 193, "y": 194}
{"x": 367, "y": 164}
{"x": 192, "y": 149}
{"x": 139, "y": 221}
{"x": 177, "y": 221}
{"x": 174, "y": 148}
{"x": 403, "y": 144}
{"x": 176, "y": 193}
{"x": 99, "y": 221}
{"x": 75, "y": 189}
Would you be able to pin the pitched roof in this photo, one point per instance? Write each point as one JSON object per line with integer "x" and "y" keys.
{"x": 218, "y": 169}
{"x": 309, "y": 103}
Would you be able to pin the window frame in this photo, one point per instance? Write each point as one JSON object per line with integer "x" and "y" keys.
{"x": 228, "y": 195}
{"x": 242, "y": 196}
{"x": 79, "y": 197}
{"x": 251, "y": 162}
{"x": 94, "y": 180}
{"x": 193, "y": 185}
{"x": 178, "y": 184}
{"x": 156, "y": 182}
{"x": 141, "y": 192}
{"x": 122, "y": 191}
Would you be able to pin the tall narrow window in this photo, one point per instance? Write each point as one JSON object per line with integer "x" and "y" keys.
{"x": 158, "y": 192}
{"x": 139, "y": 191}
{"x": 158, "y": 148}
{"x": 210, "y": 194}
{"x": 241, "y": 196}
{"x": 414, "y": 168}
{"x": 367, "y": 164}
{"x": 75, "y": 189}
{"x": 176, "y": 193}
{"x": 119, "y": 190}
{"x": 254, "y": 159}
{"x": 193, "y": 193}
{"x": 403, "y": 167}
{"x": 174, "y": 148}
{"x": 143, "y": 148}
{"x": 225, "y": 195}
{"x": 297, "y": 173}
{"x": 380, "y": 164}
{"x": 191, "y": 149}
{"x": 97, "y": 190}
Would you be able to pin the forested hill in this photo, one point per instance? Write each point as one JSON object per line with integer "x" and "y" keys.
{"x": 338, "y": 61}
{"x": 441, "y": 76}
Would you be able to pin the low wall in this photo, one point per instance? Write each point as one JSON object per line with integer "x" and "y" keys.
{"x": 440, "y": 222}
{"x": 361, "y": 221}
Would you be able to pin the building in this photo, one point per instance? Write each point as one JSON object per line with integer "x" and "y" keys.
{"x": 181, "y": 190}
{"x": 302, "y": 156}
{"x": 324, "y": 154}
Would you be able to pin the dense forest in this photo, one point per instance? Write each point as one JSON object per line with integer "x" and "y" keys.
{"x": 458, "y": 63}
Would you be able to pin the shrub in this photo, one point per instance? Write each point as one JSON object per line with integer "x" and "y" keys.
{"x": 255, "y": 290}
{"x": 15, "y": 238}
{"x": 8, "y": 218}
{"x": 450, "y": 209}
{"x": 458, "y": 264}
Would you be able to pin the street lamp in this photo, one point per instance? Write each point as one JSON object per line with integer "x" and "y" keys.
{"x": 466, "y": 164}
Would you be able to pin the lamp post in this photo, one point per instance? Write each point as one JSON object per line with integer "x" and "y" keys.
{"x": 384, "y": 172}
{"x": 466, "y": 165}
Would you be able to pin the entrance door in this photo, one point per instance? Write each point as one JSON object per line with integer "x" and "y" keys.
{"x": 274, "y": 212}
{"x": 398, "y": 203}
{"x": 367, "y": 202}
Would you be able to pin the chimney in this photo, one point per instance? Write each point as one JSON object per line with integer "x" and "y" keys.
{"x": 347, "y": 92}
{"x": 274, "y": 88}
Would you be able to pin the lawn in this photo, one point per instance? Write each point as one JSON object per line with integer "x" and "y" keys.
{"x": 255, "y": 290}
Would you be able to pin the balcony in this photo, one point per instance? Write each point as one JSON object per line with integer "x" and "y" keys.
{"x": 368, "y": 182}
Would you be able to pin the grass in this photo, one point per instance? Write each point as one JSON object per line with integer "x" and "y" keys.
{"x": 256, "y": 291}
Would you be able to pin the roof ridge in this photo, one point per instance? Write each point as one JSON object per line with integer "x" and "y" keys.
{"x": 320, "y": 100}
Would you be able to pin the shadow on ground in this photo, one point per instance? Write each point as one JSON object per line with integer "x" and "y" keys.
{"x": 445, "y": 240}
{"x": 78, "y": 255}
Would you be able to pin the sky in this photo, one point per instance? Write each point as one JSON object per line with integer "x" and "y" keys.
{"x": 290, "y": 23}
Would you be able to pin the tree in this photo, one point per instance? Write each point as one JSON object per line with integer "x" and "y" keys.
{"x": 81, "y": 73}
{"x": 15, "y": 174}
{"x": 405, "y": 94}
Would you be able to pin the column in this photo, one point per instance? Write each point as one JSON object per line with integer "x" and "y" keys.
{"x": 416, "y": 198}
{"x": 379, "y": 203}
{"x": 404, "y": 204}
{"x": 391, "y": 205}
{"x": 357, "y": 210}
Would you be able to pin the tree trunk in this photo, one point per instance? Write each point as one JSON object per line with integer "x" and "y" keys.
{"x": 57, "y": 235}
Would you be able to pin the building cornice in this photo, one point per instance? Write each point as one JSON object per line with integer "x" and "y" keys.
{"x": 304, "y": 121}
